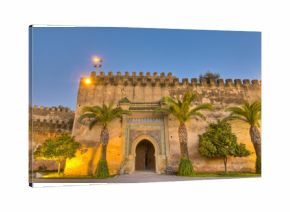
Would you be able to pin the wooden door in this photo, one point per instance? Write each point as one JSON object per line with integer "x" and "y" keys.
{"x": 145, "y": 159}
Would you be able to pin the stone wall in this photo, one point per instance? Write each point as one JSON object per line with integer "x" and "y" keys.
{"x": 140, "y": 88}
{"x": 201, "y": 164}
{"x": 44, "y": 123}
{"x": 147, "y": 88}
{"x": 91, "y": 149}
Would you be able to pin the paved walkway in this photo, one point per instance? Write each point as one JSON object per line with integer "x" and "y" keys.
{"x": 136, "y": 177}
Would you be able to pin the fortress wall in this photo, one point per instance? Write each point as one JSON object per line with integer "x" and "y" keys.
{"x": 140, "y": 88}
{"x": 90, "y": 140}
{"x": 44, "y": 123}
{"x": 51, "y": 113}
{"x": 151, "y": 88}
{"x": 47, "y": 121}
{"x": 201, "y": 164}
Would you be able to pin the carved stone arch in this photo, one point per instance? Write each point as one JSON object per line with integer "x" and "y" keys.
{"x": 152, "y": 140}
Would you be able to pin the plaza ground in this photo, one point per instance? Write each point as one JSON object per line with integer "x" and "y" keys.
{"x": 140, "y": 177}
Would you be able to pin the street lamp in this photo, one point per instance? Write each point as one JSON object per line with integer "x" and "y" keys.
{"x": 97, "y": 62}
{"x": 87, "y": 81}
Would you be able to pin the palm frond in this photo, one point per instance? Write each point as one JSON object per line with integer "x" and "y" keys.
{"x": 181, "y": 107}
{"x": 86, "y": 116}
{"x": 89, "y": 109}
{"x": 117, "y": 113}
{"x": 93, "y": 123}
{"x": 101, "y": 114}
{"x": 187, "y": 100}
{"x": 248, "y": 112}
{"x": 206, "y": 106}
{"x": 188, "y": 97}
{"x": 196, "y": 114}
{"x": 169, "y": 101}
{"x": 172, "y": 105}
{"x": 237, "y": 110}
{"x": 234, "y": 117}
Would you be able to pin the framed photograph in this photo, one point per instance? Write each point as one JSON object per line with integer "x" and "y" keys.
{"x": 129, "y": 105}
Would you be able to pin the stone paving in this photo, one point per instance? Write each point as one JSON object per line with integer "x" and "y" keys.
{"x": 136, "y": 177}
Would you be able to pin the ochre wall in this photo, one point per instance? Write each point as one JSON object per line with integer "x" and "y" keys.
{"x": 201, "y": 164}
{"x": 139, "y": 88}
{"x": 79, "y": 165}
{"x": 45, "y": 123}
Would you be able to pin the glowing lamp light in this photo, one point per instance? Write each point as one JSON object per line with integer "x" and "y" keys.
{"x": 87, "y": 81}
{"x": 97, "y": 61}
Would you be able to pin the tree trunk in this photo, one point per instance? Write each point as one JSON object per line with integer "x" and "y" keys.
{"x": 182, "y": 133}
{"x": 225, "y": 163}
{"x": 104, "y": 152}
{"x": 104, "y": 142}
{"x": 256, "y": 140}
{"x": 58, "y": 168}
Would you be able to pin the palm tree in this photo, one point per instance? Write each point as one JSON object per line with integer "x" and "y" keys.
{"x": 101, "y": 115}
{"x": 182, "y": 111}
{"x": 251, "y": 114}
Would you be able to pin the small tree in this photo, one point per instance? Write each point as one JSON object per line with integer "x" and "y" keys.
{"x": 209, "y": 75}
{"x": 219, "y": 142}
{"x": 58, "y": 149}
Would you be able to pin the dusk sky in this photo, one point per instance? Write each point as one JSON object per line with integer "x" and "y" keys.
{"x": 61, "y": 55}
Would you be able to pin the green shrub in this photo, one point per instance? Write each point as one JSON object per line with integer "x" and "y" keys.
{"x": 102, "y": 170}
{"x": 258, "y": 165}
{"x": 185, "y": 168}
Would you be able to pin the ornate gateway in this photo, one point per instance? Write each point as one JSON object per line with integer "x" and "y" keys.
{"x": 144, "y": 125}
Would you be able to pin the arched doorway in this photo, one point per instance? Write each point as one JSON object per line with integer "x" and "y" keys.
{"x": 145, "y": 156}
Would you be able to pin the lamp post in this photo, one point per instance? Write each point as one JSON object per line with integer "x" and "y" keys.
{"x": 97, "y": 62}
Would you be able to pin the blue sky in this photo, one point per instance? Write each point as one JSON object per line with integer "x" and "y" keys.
{"x": 61, "y": 55}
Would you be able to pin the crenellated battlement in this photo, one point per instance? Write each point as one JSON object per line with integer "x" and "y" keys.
{"x": 162, "y": 79}
{"x": 45, "y": 123}
{"x": 50, "y": 109}
{"x": 152, "y": 87}
{"x": 51, "y": 118}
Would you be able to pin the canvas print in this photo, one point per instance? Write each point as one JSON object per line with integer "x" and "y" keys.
{"x": 135, "y": 105}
